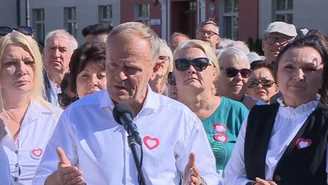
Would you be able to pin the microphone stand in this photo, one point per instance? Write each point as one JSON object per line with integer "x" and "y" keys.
{"x": 132, "y": 145}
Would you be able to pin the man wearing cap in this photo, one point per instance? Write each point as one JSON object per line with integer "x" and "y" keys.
{"x": 208, "y": 31}
{"x": 277, "y": 36}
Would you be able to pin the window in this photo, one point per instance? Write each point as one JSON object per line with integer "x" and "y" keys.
{"x": 141, "y": 13}
{"x": 230, "y": 19}
{"x": 38, "y": 24}
{"x": 283, "y": 11}
{"x": 105, "y": 14}
{"x": 70, "y": 20}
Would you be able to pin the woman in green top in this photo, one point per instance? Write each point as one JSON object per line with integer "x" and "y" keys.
{"x": 196, "y": 71}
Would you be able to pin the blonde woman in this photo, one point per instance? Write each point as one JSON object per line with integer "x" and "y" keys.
{"x": 196, "y": 71}
{"x": 164, "y": 65}
{"x": 28, "y": 119}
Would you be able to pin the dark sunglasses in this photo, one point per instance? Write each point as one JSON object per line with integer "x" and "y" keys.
{"x": 232, "y": 72}
{"x": 26, "y": 30}
{"x": 264, "y": 82}
{"x": 64, "y": 100}
{"x": 171, "y": 79}
{"x": 183, "y": 64}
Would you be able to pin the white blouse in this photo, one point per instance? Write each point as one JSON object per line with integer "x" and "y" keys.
{"x": 288, "y": 122}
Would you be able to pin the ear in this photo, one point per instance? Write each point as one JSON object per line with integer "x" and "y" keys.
{"x": 276, "y": 88}
{"x": 263, "y": 44}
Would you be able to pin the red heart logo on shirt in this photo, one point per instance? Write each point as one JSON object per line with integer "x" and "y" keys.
{"x": 220, "y": 128}
{"x": 221, "y": 137}
{"x": 37, "y": 152}
{"x": 151, "y": 143}
{"x": 303, "y": 143}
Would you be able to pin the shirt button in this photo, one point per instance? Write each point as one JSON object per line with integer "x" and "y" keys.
{"x": 16, "y": 165}
{"x": 15, "y": 178}
{"x": 16, "y": 151}
{"x": 129, "y": 178}
{"x": 277, "y": 178}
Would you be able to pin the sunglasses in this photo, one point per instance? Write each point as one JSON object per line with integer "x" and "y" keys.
{"x": 26, "y": 30}
{"x": 264, "y": 82}
{"x": 64, "y": 100}
{"x": 171, "y": 79}
{"x": 272, "y": 40}
{"x": 232, "y": 72}
{"x": 200, "y": 64}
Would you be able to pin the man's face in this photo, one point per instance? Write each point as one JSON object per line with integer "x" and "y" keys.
{"x": 176, "y": 41}
{"x": 129, "y": 67}
{"x": 272, "y": 45}
{"x": 99, "y": 37}
{"x": 209, "y": 33}
{"x": 57, "y": 54}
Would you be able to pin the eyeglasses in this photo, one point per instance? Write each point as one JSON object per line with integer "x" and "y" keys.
{"x": 264, "y": 82}
{"x": 183, "y": 64}
{"x": 208, "y": 32}
{"x": 26, "y": 30}
{"x": 171, "y": 79}
{"x": 232, "y": 72}
{"x": 272, "y": 40}
{"x": 64, "y": 100}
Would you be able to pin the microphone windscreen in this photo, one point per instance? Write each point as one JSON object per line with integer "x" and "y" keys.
{"x": 120, "y": 109}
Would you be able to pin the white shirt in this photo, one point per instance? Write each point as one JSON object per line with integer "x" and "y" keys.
{"x": 288, "y": 122}
{"x": 98, "y": 146}
{"x": 24, "y": 154}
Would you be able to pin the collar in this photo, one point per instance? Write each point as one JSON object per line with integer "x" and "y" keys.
{"x": 149, "y": 106}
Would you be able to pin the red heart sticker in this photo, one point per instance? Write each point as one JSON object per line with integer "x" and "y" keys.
{"x": 36, "y": 153}
{"x": 219, "y": 128}
{"x": 303, "y": 143}
{"x": 151, "y": 143}
{"x": 221, "y": 137}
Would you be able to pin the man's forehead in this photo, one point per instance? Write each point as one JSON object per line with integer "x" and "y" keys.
{"x": 58, "y": 40}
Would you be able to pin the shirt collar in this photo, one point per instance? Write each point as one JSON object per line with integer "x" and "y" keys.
{"x": 150, "y": 105}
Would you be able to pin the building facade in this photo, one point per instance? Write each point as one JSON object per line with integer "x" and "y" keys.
{"x": 238, "y": 19}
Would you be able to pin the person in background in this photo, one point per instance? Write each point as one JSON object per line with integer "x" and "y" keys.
{"x": 208, "y": 32}
{"x": 88, "y": 69}
{"x": 175, "y": 39}
{"x": 88, "y": 133}
{"x": 277, "y": 36}
{"x": 261, "y": 84}
{"x": 235, "y": 68}
{"x": 28, "y": 118}
{"x": 96, "y": 32}
{"x": 253, "y": 56}
{"x": 286, "y": 142}
{"x": 66, "y": 97}
{"x": 58, "y": 48}
{"x": 196, "y": 71}
{"x": 172, "y": 91}
{"x": 164, "y": 65}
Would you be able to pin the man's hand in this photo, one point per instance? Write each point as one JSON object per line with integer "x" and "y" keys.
{"x": 259, "y": 181}
{"x": 66, "y": 173}
{"x": 191, "y": 174}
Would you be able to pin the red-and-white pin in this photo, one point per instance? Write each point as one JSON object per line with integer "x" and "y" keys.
{"x": 151, "y": 143}
{"x": 36, "y": 153}
{"x": 219, "y": 128}
{"x": 221, "y": 137}
{"x": 303, "y": 143}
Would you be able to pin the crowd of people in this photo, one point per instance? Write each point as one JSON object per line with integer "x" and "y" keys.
{"x": 208, "y": 109}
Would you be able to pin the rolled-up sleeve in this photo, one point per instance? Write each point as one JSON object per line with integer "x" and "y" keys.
{"x": 235, "y": 172}
{"x": 64, "y": 136}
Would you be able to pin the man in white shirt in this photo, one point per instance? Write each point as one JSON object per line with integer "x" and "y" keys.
{"x": 93, "y": 143}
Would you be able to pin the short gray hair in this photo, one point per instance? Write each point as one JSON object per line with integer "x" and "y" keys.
{"x": 144, "y": 31}
{"x": 61, "y": 33}
{"x": 234, "y": 52}
{"x": 202, "y": 24}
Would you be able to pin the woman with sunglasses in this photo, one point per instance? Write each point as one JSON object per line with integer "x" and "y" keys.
{"x": 28, "y": 118}
{"x": 88, "y": 69}
{"x": 66, "y": 97}
{"x": 261, "y": 84}
{"x": 196, "y": 71}
{"x": 286, "y": 142}
{"x": 235, "y": 68}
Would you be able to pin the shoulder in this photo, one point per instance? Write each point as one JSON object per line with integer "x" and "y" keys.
{"x": 92, "y": 100}
{"x": 232, "y": 105}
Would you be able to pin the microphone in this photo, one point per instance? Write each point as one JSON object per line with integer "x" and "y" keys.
{"x": 123, "y": 114}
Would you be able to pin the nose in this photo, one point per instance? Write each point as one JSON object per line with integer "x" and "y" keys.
{"x": 299, "y": 75}
{"x": 121, "y": 76}
{"x": 57, "y": 53}
{"x": 259, "y": 86}
{"x": 192, "y": 70}
{"x": 21, "y": 69}
{"x": 93, "y": 80}
{"x": 238, "y": 77}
